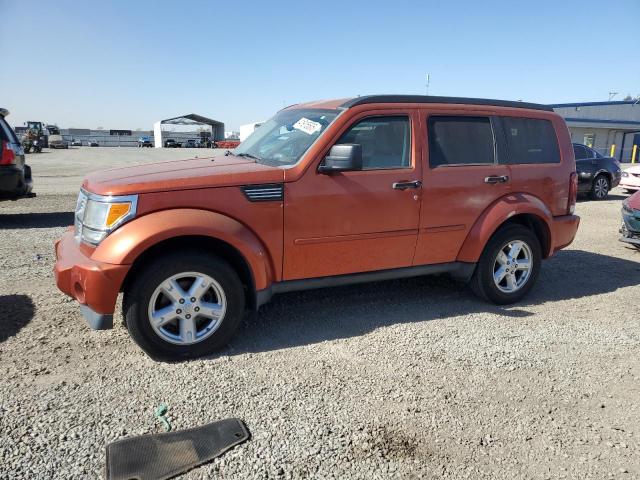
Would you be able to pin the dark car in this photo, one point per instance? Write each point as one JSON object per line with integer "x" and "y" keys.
{"x": 171, "y": 143}
{"x": 191, "y": 143}
{"x": 76, "y": 143}
{"x": 94, "y": 143}
{"x": 597, "y": 174}
{"x": 15, "y": 175}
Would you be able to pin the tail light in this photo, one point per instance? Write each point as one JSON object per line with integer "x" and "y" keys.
{"x": 573, "y": 193}
{"x": 8, "y": 155}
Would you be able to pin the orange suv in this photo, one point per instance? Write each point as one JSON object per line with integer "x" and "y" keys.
{"x": 324, "y": 194}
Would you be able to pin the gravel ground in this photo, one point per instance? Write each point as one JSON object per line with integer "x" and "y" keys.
{"x": 402, "y": 379}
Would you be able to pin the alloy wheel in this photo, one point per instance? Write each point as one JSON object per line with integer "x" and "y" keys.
{"x": 512, "y": 266}
{"x": 601, "y": 187}
{"x": 187, "y": 308}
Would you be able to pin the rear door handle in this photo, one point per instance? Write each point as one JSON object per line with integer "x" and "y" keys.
{"x": 497, "y": 179}
{"x": 405, "y": 185}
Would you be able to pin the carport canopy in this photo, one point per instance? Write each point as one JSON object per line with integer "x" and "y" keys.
{"x": 217, "y": 128}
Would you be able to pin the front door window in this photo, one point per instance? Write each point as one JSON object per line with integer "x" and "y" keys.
{"x": 385, "y": 141}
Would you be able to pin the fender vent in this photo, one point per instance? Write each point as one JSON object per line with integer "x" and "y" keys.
{"x": 264, "y": 193}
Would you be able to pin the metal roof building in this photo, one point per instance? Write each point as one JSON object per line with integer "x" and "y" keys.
{"x": 602, "y": 125}
{"x": 217, "y": 128}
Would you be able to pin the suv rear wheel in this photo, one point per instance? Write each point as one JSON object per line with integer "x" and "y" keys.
{"x": 509, "y": 265}
{"x": 184, "y": 306}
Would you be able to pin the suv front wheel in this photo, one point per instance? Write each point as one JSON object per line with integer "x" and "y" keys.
{"x": 184, "y": 306}
{"x": 509, "y": 265}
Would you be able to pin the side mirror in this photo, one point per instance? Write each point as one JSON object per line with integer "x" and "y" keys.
{"x": 342, "y": 158}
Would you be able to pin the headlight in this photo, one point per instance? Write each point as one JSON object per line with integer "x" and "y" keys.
{"x": 626, "y": 208}
{"x": 97, "y": 215}
{"x": 625, "y": 174}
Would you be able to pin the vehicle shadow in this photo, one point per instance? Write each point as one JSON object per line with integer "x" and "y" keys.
{"x": 16, "y": 311}
{"x": 315, "y": 316}
{"x": 585, "y": 198}
{"x": 35, "y": 220}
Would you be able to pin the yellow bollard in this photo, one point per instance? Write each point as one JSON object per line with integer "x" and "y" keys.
{"x": 613, "y": 150}
{"x": 633, "y": 154}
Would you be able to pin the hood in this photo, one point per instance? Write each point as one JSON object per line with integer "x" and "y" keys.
{"x": 187, "y": 174}
{"x": 634, "y": 201}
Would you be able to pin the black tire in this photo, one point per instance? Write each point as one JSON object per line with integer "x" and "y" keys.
{"x": 482, "y": 282}
{"x": 596, "y": 192}
{"x": 139, "y": 292}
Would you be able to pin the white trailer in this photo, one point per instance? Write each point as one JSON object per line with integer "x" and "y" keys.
{"x": 246, "y": 130}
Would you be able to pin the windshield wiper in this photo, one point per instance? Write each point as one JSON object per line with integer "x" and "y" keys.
{"x": 247, "y": 155}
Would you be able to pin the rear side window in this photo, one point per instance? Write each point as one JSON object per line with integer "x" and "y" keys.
{"x": 580, "y": 152}
{"x": 460, "y": 141}
{"x": 530, "y": 140}
{"x": 6, "y": 132}
{"x": 385, "y": 142}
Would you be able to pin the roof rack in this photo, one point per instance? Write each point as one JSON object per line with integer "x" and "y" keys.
{"x": 451, "y": 100}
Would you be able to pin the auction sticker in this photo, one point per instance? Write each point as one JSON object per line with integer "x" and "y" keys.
{"x": 307, "y": 126}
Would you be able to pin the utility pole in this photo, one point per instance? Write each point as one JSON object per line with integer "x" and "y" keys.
{"x": 612, "y": 94}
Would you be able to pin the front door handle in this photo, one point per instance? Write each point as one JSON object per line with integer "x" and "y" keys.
{"x": 405, "y": 185}
{"x": 497, "y": 179}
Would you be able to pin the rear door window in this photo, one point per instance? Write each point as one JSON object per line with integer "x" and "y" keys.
{"x": 591, "y": 153}
{"x": 530, "y": 141}
{"x": 460, "y": 140}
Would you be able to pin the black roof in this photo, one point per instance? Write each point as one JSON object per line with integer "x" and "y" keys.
{"x": 595, "y": 104}
{"x": 431, "y": 99}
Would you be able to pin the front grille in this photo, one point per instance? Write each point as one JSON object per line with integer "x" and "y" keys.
{"x": 264, "y": 193}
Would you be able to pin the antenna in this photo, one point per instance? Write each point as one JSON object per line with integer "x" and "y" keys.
{"x": 612, "y": 94}
{"x": 427, "y": 84}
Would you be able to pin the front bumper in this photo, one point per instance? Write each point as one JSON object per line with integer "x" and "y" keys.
{"x": 95, "y": 285}
{"x": 630, "y": 182}
{"x": 630, "y": 230}
{"x": 564, "y": 229}
{"x": 615, "y": 178}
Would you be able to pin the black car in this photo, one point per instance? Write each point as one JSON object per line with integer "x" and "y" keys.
{"x": 597, "y": 174}
{"x": 191, "y": 143}
{"x": 15, "y": 175}
{"x": 171, "y": 143}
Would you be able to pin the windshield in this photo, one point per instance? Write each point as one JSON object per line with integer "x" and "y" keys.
{"x": 282, "y": 140}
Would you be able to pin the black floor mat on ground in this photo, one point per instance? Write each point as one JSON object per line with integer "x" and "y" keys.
{"x": 165, "y": 455}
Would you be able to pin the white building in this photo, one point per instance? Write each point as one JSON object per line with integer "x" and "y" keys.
{"x": 604, "y": 124}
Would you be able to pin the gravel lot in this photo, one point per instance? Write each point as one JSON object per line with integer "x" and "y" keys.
{"x": 410, "y": 379}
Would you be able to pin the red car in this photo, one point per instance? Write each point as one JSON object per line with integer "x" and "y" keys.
{"x": 323, "y": 194}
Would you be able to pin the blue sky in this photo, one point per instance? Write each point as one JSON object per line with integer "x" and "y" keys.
{"x": 125, "y": 64}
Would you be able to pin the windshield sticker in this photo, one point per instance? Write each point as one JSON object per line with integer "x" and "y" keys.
{"x": 307, "y": 126}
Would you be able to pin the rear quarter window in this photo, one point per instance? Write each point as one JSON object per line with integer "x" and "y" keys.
{"x": 530, "y": 141}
